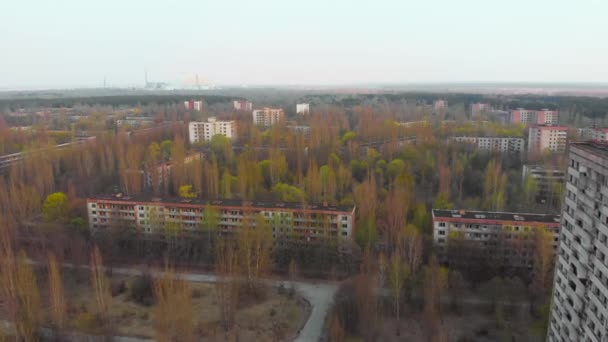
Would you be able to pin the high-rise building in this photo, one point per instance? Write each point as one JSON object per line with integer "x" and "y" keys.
{"x": 268, "y": 116}
{"x": 579, "y": 307}
{"x": 303, "y": 108}
{"x": 204, "y": 131}
{"x": 194, "y": 105}
{"x": 243, "y": 105}
{"x": 547, "y": 137}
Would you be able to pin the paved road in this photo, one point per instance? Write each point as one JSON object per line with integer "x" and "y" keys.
{"x": 320, "y": 296}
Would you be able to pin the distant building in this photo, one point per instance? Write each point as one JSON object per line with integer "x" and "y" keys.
{"x": 135, "y": 121}
{"x": 268, "y": 116}
{"x": 547, "y": 137}
{"x": 440, "y": 105}
{"x": 598, "y": 134}
{"x": 291, "y": 222}
{"x": 531, "y": 117}
{"x": 204, "y": 131}
{"x": 243, "y": 105}
{"x": 410, "y": 124}
{"x": 494, "y": 239}
{"x": 478, "y": 108}
{"x": 545, "y": 178}
{"x": 194, "y": 105}
{"x": 303, "y": 108}
{"x": 497, "y": 144}
{"x": 299, "y": 129}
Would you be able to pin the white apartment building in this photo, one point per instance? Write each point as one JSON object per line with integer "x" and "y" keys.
{"x": 579, "y": 306}
{"x": 204, "y": 131}
{"x": 242, "y": 105}
{"x": 547, "y": 137}
{"x": 498, "y": 144}
{"x": 268, "y": 116}
{"x": 303, "y": 108}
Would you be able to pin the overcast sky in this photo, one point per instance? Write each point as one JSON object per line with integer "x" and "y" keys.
{"x": 66, "y": 43}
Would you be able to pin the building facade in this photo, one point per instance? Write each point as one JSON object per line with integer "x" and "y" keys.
{"x": 478, "y": 108}
{"x": 440, "y": 105}
{"x": 303, "y": 108}
{"x": 579, "y": 306}
{"x": 547, "y": 137}
{"x": 545, "y": 178}
{"x": 268, "y": 116}
{"x": 243, "y": 105}
{"x": 498, "y": 239}
{"x": 194, "y": 105}
{"x": 204, "y": 131}
{"x": 294, "y": 222}
{"x": 497, "y": 144}
{"x": 534, "y": 117}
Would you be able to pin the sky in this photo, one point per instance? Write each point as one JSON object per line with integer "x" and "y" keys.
{"x": 79, "y": 43}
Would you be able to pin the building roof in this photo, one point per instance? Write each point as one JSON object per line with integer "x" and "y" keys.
{"x": 592, "y": 146}
{"x": 495, "y": 216}
{"x": 224, "y": 202}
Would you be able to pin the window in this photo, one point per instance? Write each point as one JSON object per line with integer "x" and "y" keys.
{"x": 441, "y": 224}
{"x": 441, "y": 232}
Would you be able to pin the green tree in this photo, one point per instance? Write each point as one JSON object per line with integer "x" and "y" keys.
{"x": 185, "y": 192}
{"x": 55, "y": 207}
{"x": 165, "y": 147}
{"x": 288, "y": 193}
{"x": 442, "y": 202}
{"x": 530, "y": 190}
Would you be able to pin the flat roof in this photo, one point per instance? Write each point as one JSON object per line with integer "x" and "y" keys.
{"x": 224, "y": 202}
{"x": 592, "y": 146}
{"x": 495, "y": 216}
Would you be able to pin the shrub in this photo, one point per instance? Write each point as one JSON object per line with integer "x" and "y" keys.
{"x": 141, "y": 290}
{"x": 118, "y": 287}
{"x": 86, "y": 322}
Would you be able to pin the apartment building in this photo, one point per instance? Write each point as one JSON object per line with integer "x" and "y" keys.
{"x": 532, "y": 117}
{"x": 204, "y": 131}
{"x": 194, "y": 105}
{"x": 545, "y": 178}
{"x": 243, "y": 105}
{"x": 478, "y": 108}
{"x": 296, "y": 222}
{"x": 547, "y": 137}
{"x": 498, "y": 239}
{"x": 599, "y": 134}
{"x": 135, "y": 121}
{"x": 497, "y": 144}
{"x": 302, "y": 108}
{"x": 268, "y": 116}
{"x": 579, "y": 309}
{"x": 440, "y": 105}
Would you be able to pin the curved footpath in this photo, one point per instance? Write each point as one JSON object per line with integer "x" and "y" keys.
{"x": 320, "y": 295}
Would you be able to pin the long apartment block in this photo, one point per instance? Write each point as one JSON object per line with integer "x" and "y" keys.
{"x": 505, "y": 239}
{"x": 497, "y": 144}
{"x": 579, "y": 309}
{"x": 290, "y": 221}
